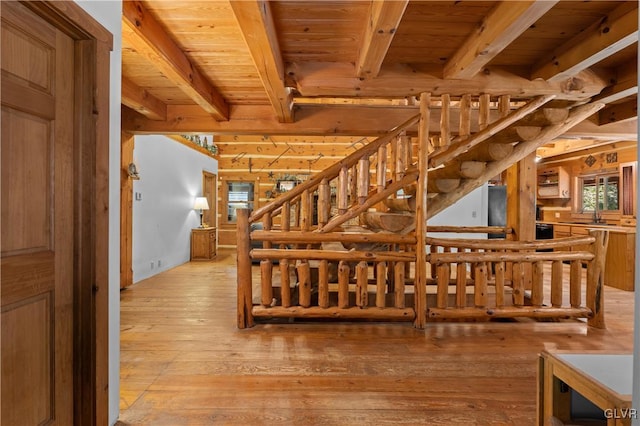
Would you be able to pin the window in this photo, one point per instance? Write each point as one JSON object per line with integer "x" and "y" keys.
{"x": 239, "y": 195}
{"x": 599, "y": 193}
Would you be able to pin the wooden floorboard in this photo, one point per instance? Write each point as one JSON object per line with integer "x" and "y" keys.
{"x": 183, "y": 361}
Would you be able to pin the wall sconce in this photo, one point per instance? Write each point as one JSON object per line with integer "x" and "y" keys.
{"x": 132, "y": 171}
{"x": 201, "y": 204}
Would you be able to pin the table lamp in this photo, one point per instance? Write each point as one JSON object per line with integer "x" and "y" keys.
{"x": 201, "y": 204}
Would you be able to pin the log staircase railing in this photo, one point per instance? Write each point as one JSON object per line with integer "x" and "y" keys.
{"x": 506, "y": 279}
{"x": 314, "y": 263}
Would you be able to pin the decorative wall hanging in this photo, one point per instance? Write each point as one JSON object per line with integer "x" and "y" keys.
{"x": 590, "y": 160}
{"x": 612, "y": 157}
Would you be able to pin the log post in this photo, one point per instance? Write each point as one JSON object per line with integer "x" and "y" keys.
{"x": 306, "y": 218}
{"x": 420, "y": 281}
{"x": 304, "y": 283}
{"x": 285, "y": 283}
{"x": 595, "y": 277}
{"x": 443, "y": 285}
{"x": 381, "y": 284}
{"x": 353, "y": 184}
{"x": 266, "y": 283}
{"x": 499, "y": 273}
{"x": 343, "y": 284}
{"x": 575, "y": 279}
{"x": 480, "y": 288}
{"x": 343, "y": 190}
{"x": 323, "y": 283}
{"x": 556, "y": 284}
{"x": 363, "y": 180}
{"x": 445, "y": 129}
{"x": 401, "y": 156}
{"x": 362, "y": 283}
{"x": 518, "y": 284}
{"x": 461, "y": 285}
{"x": 537, "y": 287}
{"x": 504, "y": 105}
{"x": 399, "y": 285}
{"x": 381, "y": 171}
{"x": 465, "y": 117}
{"x": 324, "y": 202}
{"x": 245, "y": 304}
{"x": 484, "y": 112}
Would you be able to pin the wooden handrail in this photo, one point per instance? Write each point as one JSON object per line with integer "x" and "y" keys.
{"x": 471, "y": 229}
{"x": 347, "y": 237}
{"x": 476, "y": 257}
{"x": 509, "y": 245}
{"x": 335, "y": 255}
{"x": 332, "y": 171}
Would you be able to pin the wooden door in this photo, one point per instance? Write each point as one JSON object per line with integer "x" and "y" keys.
{"x": 37, "y": 220}
{"x": 209, "y": 190}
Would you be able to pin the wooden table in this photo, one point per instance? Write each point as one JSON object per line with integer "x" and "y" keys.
{"x": 604, "y": 379}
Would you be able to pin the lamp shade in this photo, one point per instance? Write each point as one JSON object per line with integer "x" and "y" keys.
{"x": 201, "y": 204}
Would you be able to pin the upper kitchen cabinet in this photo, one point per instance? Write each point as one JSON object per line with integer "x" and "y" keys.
{"x": 553, "y": 182}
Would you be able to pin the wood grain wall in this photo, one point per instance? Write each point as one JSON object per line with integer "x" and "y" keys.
{"x": 263, "y": 159}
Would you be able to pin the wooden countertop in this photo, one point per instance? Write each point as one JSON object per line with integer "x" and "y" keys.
{"x": 612, "y": 228}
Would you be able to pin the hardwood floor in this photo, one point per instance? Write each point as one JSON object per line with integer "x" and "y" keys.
{"x": 183, "y": 361}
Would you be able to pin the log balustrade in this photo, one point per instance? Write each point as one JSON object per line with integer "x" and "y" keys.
{"x": 506, "y": 279}
{"x": 317, "y": 260}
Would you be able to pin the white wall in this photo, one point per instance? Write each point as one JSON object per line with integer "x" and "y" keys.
{"x": 471, "y": 210}
{"x": 108, "y": 13}
{"x": 170, "y": 179}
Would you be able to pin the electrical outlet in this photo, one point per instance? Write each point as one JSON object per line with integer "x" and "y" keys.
{"x": 557, "y": 215}
{"x": 159, "y": 263}
{"x": 152, "y": 264}
{"x": 474, "y": 214}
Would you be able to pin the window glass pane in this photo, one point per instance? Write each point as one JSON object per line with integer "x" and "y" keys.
{"x": 239, "y": 196}
{"x": 599, "y": 193}
{"x": 588, "y": 194}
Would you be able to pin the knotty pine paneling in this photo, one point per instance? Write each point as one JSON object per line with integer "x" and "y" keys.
{"x": 263, "y": 159}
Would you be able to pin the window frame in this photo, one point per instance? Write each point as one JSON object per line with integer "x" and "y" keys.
{"x": 224, "y": 198}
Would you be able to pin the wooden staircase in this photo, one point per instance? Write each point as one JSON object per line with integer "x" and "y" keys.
{"x": 389, "y": 188}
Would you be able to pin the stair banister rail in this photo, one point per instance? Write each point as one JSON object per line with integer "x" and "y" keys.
{"x": 333, "y": 171}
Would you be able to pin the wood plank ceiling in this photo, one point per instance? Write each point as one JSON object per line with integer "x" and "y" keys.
{"x": 355, "y": 67}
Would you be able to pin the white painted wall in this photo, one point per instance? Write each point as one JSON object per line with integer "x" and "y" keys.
{"x": 170, "y": 179}
{"x": 471, "y": 210}
{"x": 108, "y": 14}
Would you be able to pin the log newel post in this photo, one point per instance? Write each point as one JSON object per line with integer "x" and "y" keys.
{"x": 595, "y": 277}
{"x": 420, "y": 289}
{"x": 245, "y": 304}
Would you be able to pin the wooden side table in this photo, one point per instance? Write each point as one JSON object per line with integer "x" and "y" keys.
{"x": 203, "y": 243}
{"x": 604, "y": 379}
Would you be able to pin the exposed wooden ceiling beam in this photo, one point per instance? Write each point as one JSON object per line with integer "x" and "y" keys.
{"x": 382, "y": 24}
{"x": 319, "y": 121}
{"x": 147, "y": 36}
{"x": 617, "y": 31}
{"x": 591, "y": 150}
{"x": 619, "y": 112}
{"x": 504, "y": 23}
{"x": 258, "y": 30}
{"x": 145, "y": 103}
{"x": 337, "y": 79}
{"x": 626, "y": 84}
{"x": 565, "y": 146}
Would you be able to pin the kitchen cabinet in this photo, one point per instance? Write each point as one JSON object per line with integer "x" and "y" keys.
{"x": 554, "y": 182}
{"x": 203, "y": 243}
{"x": 621, "y": 251}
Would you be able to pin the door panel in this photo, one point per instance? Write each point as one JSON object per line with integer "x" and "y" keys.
{"x": 37, "y": 220}
{"x": 209, "y": 188}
